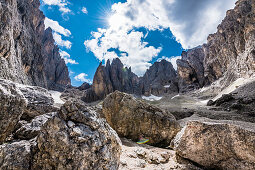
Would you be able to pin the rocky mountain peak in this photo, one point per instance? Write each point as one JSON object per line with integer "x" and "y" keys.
{"x": 28, "y": 53}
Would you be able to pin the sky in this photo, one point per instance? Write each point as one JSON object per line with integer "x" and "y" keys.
{"x": 139, "y": 32}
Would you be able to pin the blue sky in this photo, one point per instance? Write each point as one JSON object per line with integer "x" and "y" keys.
{"x": 136, "y": 31}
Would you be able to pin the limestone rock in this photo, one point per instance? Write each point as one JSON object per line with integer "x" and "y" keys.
{"x": 77, "y": 139}
{"x": 132, "y": 118}
{"x": 241, "y": 100}
{"x": 39, "y": 101}
{"x": 160, "y": 78}
{"x": 16, "y": 155}
{"x": 29, "y": 130}
{"x": 230, "y": 51}
{"x": 218, "y": 144}
{"x": 28, "y": 54}
{"x": 109, "y": 78}
{"x": 12, "y": 104}
{"x": 191, "y": 70}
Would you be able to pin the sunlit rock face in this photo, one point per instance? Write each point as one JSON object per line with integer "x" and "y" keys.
{"x": 159, "y": 79}
{"x": 76, "y": 138}
{"x": 112, "y": 77}
{"x": 27, "y": 51}
{"x": 132, "y": 118}
{"x": 230, "y": 52}
{"x": 217, "y": 144}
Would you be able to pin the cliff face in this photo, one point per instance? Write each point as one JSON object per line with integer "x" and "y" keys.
{"x": 191, "y": 70}
{"x": 229, "y": 53}
{"x": 112, "y": 77}
{"x": 27, "y": 51}
{"x": 160, "y": 78}
{"x": 231, "y": 50}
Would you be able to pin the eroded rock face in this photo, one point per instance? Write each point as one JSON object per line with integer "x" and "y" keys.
{"x": 218, "y": 144}
{"x": 230, "y": 51}
{"x": 29, "y": 130}
{"x": 39, "y": 101}
{"x": 160, "y": 78}
{"x": 109, "y": 78}
{"x": 12, "y": 104}
{"x": 16, "y": 155}
{"x": 131, "y": 118}
{"x": 191, "y": 70}
{"x": 27, "y": 52}
{"x": 77, "y": 139}
{"x": 242, "y": 100}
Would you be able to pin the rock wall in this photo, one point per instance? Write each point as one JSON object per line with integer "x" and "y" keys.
{"x": 159, "y": 79}
{"x": 191, "y": 70}
{"x": 229, "y": 53}
{"x": 27, "y": 51}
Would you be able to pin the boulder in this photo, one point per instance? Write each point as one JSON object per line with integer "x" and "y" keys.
{"x": 12, "y": 104}
{"x": 16, "y": 155}
{"x": 29, "y": 130}
{"x": 77, "y": 138}
{"x": 39, "y": 101}
{"x": 217, "y": 144}
{"x": 132, "y": 118}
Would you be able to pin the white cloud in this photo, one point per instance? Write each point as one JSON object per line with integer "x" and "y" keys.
{"x": 59, "y": 41}
{"x": 62, "y": 4}
{"x": 83, "y": 78}
{"x": 171, "y": 60}
{"x": 84, "y": 10}
{"x": 189, "y": 20}
{"x": 54, "y": 25}
{"x": 66, "y": 57}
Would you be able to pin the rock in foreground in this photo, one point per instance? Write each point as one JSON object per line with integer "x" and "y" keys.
{"x": 218, "y": 144}
{"x": 77, "y": 139}
{"x": 132, "y": 118}
{"x": 12, "y": 104}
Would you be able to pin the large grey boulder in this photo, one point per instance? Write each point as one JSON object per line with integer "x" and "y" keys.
{"x": 12, "y": 105}
{"x": 132, "y": 118}
{"x": 29, "y": 130}
{"x": 16, "y": 155}
{"x": 217, "y": 144}
{"x": 39, "y": 101}
{"x": 77, "y": 139}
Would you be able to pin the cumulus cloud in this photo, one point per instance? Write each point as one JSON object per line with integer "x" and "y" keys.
{"x": 171, "y": 60}
{"x": 84, "y": 10}
{"x": 57, "y": 30}
{"x": 59, "y": 41}
{"x": 62, "y": 4}
{"x": 189, "y": 20}
{"x": 67, "y": 57}
{"x": 83, "y": 78}
{"x": 54, "y": 25}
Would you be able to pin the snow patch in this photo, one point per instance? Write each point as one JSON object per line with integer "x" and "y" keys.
{"x": 236, "y": 84}
{"x": 204, "y": 102}
{"x": 167, "y": 86}
{"x": 56, "y": 97}
{"x": 175, "y": 97}
{"x": 152, "y": 98}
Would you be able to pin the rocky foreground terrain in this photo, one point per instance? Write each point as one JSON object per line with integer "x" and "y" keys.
{"x": 203, "y": 119}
